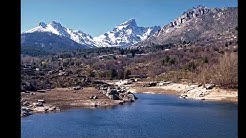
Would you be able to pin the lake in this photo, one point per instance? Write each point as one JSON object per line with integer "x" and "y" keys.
{"x": 152, "y": 115}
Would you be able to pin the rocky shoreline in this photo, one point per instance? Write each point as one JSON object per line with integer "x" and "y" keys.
{"x": 116, "y": 93}
{"x": 65, "y": 98}
{"x": 208, "y": 92}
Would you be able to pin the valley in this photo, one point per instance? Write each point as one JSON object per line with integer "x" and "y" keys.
{"x": 196, "y": 55}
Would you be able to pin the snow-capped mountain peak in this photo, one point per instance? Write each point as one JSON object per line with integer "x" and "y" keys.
{"x": 125, "y": 34}
{"x": 53, "y": 27}
{"x": 56, "y": 28}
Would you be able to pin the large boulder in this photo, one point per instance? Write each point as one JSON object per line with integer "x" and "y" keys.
{"x": 209, "y": 86}
{"x": 25, "y": 111}
{"x": 38, "y": 104}
{"x": 129, "y": 97}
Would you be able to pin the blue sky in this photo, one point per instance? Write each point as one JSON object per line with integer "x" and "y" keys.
{"x": 96, "y": 17}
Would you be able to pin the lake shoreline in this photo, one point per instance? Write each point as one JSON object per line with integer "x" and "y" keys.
{"x": 59, "y": 99}
{"x": 180, "y": 89}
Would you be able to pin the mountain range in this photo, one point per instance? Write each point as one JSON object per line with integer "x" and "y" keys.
{"x": 199, "y": 24}
{"x": 55, "y": 37}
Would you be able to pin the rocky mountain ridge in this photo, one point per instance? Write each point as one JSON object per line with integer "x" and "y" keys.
{"x": 201, "y": 25}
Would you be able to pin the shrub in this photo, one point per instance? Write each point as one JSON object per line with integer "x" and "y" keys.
{"x": 226, "y": 74}
{"x": 206, "y": 74}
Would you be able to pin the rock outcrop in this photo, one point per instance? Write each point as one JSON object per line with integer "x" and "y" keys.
{"x": 199, "y": 25}
{"x": 119, "y": 93}
{"x": 28, "y": 108}
{"x": 197, "y": 91}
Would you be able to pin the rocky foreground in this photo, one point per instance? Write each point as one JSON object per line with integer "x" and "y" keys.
{"x": 58, "y": 99}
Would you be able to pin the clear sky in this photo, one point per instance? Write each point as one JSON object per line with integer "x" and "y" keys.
{"x": 96, "y": 17}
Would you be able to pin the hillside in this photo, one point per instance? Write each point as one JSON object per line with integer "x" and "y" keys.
{"x": 200, "y": 25}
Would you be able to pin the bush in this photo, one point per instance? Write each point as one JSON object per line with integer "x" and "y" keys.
{"x": 206, "y": 74}
{"x": 226, "y": 74}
